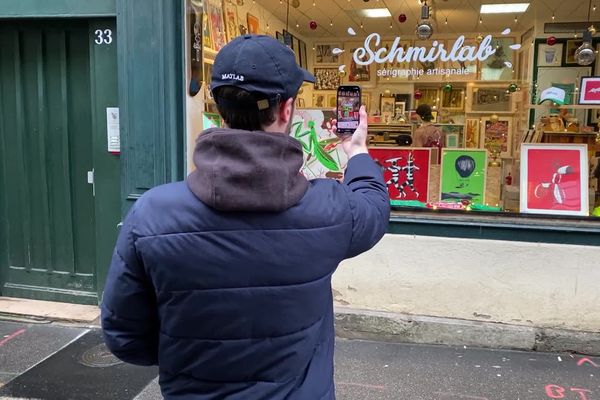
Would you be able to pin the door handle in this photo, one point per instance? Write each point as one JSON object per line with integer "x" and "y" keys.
{"x": 91, "y": 181}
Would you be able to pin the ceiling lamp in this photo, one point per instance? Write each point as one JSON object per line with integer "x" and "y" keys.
{"x": 424, "y": 28}
{"x": 504, "y": 8}
{"x": 374, "y": 13}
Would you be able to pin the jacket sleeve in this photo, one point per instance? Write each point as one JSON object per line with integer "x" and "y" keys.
{"x": 369, "y": 203}
{"x": 129, "y": 312}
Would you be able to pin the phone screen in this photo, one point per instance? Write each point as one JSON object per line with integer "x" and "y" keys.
{"x": 348, "y": 108}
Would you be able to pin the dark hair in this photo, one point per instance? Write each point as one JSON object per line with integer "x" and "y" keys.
{"x": 239, "y": 109}
{"x": 424, "y": 111}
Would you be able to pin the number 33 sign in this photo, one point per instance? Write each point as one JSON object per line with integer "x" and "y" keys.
{"x": 103, "y": 36}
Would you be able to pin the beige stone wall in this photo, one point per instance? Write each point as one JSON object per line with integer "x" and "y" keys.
{"x": 532, "y": 284}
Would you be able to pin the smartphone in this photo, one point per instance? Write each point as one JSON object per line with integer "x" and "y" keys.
{"x": 348, "y": 109}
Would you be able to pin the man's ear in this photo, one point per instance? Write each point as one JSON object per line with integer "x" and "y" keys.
{"x": 286, "y": 111}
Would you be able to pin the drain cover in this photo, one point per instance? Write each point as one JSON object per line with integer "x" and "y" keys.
{"x": 99, "y": 357}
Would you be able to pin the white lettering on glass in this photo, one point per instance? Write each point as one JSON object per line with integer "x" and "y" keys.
{"x": 373, "y": 53}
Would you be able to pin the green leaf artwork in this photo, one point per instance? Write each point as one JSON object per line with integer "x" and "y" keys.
{"x": 323, "y": 156}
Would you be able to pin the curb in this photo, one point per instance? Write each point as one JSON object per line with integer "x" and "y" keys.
{"x": 403, "y": 328}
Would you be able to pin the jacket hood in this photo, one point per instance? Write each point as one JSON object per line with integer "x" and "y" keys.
{"x": 240, "y": 170}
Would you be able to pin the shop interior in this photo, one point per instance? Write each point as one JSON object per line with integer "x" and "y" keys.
{"x": 520, "y": 126}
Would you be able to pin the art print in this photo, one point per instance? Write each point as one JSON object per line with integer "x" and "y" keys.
{"x": 470, "y": 66}
{"x": 324, "y": 54}
{"x": 253, "y": 24}
{"x": 486, "y": 99}
{"x": 453, "y": 99}
{"x": 327, "y": 78}
{"x": 497, "y": 136}
{"x": 357, "y": 73}
{"x": 549, "y": 56}
{"x": 500, "y": 66}
{"x": 472, "y": 133}
{"x": 232, "y": 22}
{"x": 554, "y": 179}
{"x": 589, "y": 90}
{"x": 463, "y": 175}
{"x": 215, "y": 14}
{"x": 572, "y": 46}
{"x": 323, "y": 155}
{"x": 405, "y": 170}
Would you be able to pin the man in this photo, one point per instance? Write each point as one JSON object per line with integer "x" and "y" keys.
{"x": 224, "y": 280}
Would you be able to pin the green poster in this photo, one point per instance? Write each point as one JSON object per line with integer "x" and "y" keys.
{"x": 463, "y": 175}
{"x": 210, "y": 120}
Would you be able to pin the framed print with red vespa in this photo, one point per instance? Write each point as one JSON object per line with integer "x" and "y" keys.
{"x": 554, "y": 179}
{"x": 589, "y": 90}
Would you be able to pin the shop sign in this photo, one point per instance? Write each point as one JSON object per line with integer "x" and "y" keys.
{"x": 373, "y": 52}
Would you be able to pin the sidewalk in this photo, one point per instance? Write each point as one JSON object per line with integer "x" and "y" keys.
{"x": 368, "y": 325}
{"x": 54, "y": 362}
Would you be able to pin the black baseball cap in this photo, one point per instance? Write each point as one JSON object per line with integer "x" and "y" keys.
{"x": 259, "y": 64}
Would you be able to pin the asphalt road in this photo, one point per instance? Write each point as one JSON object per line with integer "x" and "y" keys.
{"x": 33, "y": 357}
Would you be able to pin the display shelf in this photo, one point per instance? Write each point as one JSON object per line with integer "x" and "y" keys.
{"x": 569, "y": 106}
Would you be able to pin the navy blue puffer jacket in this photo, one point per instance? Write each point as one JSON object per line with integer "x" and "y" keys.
{"x": 224, "y": 281}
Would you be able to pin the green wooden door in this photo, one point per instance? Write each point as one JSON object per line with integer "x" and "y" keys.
{"x": 56, "y": 226}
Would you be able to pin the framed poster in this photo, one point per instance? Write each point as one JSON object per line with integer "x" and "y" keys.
{"x": 323, "y": 155}
{"x": 206, "y": 31}
{"x": 489, "y": 99}
{"x": 392, "y": 68}
{"x": 232, "y": 22}
{"x": 319, "y": 100}
{"x": 405, "y": 170}
{"x": 554, "y": 179}
{"x": 497, "y": 135}
{"x": 217, "y": 28}
{"x": 362, "y": 74}
{"x": 456, "y": 130}
{"x": 405, "y": 98}
{"x": 332, "y": 100}
{"x": 472, "y": 133}
{"x": 428, "y": 96}
{"x": 452, "y": 140}
{"x": 471, "y": 66}
{"x": 327, "y": 79}
{"x": 210, "y": 120}
{"x": 303, "y": 55}
{"x": 550, "y": 56}
{"x": 463, "y": 175}
{"x": 500, "y": 66}
{"x": 453, "y": 100}
{"x": 253, "y": 24}
{"x": 589, "y": 90}
{"x": 324, "y": 54}
{"x": 366, "y": 100}
{"x": 572, "y": 46}
{"x": 387, "y": 106}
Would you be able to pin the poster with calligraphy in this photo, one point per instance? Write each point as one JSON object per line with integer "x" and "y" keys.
{"x": 405, "y": 170}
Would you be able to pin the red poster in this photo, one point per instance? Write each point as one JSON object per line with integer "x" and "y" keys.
{"x": 554, "y": 178}
{"x": 405, "y": 170}
{"x": 590, "y": 90}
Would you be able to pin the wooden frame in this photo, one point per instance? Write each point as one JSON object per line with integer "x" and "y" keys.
{"x": 557, "y": 181}
{"x": 453, "y": 100}
{"x": 387, "y": 106}
{"x": 572, "y": 46}
{"x": 497, "y": 133}
{"x": 489, "y": 99}
{"x": 429, "y": 95}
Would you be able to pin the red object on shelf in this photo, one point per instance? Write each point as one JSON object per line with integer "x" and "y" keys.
{"x": 508, "y": 179}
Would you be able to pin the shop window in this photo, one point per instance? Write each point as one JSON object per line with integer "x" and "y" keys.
{"x": 514, "y": 118}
